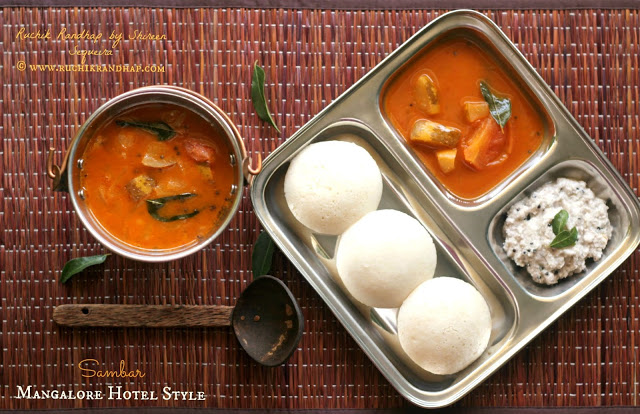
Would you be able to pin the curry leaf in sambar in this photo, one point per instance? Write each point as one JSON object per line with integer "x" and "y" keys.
{"x": 160, "y": 129}
{"x": 155, "y": 205}
{"x": 500, "y": 108}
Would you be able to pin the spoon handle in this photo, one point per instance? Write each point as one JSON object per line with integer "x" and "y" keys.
{"x": 146, "y": 316}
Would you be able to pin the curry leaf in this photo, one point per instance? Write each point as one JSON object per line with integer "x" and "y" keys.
{"x": 160, "y": 129}
{"x": 566, "y": 238}
{"x": 559, "y": 222}
{"x": 257, "y": 96}
{"x": 262, "y": 255}
{"x": 77, "y": 265}
{"x": 500, "y": 108}
{"x": 154, "y": 206}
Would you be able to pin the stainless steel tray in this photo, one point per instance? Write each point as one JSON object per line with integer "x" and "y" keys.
{"x": 467, "y": 235}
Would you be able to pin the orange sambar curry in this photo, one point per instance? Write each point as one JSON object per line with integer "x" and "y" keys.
{"x": 438, "y": 105}
{"x": 158, "y": 177}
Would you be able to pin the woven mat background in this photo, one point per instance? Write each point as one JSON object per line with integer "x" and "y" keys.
{"x": 589, "y": 57}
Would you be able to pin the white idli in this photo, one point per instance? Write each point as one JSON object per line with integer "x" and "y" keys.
{"x": 384, "y": 256}
{"x": 330, "y": 185}
{"x": 444, "y": 325}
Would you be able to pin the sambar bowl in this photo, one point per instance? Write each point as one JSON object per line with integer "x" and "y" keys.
{"x": 67, "y": 177}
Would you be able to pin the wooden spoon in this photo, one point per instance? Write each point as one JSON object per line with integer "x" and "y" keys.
{"x": 266, "y": 319}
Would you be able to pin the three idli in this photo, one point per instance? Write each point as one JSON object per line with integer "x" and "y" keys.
{"x": 444, "y": 325}
{"x": 332, "y": 184}
{"x": 385, "y": 256}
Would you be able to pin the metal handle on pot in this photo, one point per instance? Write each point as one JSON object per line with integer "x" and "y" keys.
{"x": 248, "y": 170}
{"x": 57, "y": 173}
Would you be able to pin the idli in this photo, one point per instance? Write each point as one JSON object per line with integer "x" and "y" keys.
{"x": 384, "y": 256}
{"x": 444, "y": 325}
{"x": 330, "y": 185}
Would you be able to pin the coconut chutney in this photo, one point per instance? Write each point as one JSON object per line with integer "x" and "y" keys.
{"x": 528, "y": 230}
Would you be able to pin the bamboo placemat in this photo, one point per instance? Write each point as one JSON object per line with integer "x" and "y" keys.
{"x": 589, "y": 57}
{"x": 345, "y": 4}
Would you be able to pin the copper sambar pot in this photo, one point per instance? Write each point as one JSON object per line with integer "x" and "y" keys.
{"x": 66, "y": 177}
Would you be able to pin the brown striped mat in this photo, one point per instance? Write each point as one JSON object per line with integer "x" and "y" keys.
{"x": 589, "y": 357}
{"x": 346, "y": 4}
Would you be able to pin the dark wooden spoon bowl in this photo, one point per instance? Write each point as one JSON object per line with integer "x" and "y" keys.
{"x": 268, "y": 321}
